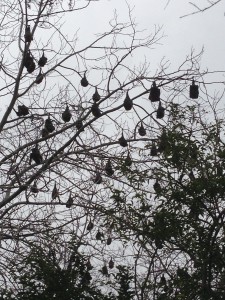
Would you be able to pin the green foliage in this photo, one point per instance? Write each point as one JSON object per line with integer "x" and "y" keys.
{"x": 125, "y": 280}
{"x": 41, "y": 277}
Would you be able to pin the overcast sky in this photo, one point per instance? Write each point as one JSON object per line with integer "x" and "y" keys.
{"x": 181, "y": 34}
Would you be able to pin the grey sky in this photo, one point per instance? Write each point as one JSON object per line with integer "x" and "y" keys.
{"x": 181, "y": 34}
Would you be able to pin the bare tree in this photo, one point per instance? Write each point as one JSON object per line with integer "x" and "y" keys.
{"x": 80, "y": 128}
{"x": 202, "y": 7}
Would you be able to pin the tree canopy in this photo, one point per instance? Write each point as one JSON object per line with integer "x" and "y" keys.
{"x": 112, "y": 173}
